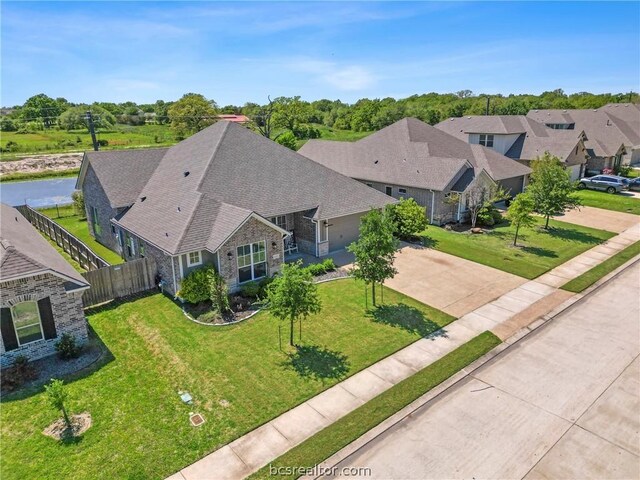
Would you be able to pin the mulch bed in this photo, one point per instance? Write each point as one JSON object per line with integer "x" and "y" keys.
{"x": 242, "y": 307}
{"x": 58, "y": 430}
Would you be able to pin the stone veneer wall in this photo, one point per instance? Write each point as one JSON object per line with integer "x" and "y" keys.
{"x": 67, "y": 313}
{"x": 305, "y": 233}
{"x": 94, "y": 196}
{"x": 252, "y": 231}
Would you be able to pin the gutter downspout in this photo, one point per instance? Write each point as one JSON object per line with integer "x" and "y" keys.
{"x": 459, "y": 208}
{"x": 433, "y": 206}
{"x": 175, "y": 284}
{"x": 317, "y": 235}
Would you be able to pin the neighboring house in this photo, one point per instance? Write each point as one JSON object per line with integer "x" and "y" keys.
{"x": 40, "y": 293}
{"x": 412, "y": 159}
{"x": 226, "y": 197}
{"x": 520, "y": 138}
{"x": 235, "y": 118}
{"x": 604, "y": 141}
{"x": 626, "y": 116}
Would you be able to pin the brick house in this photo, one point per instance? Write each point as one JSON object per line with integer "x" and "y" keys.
{"x": 411, "y": 159}
{"x": 226, "y": 197}
{"x": 40, "y": 293}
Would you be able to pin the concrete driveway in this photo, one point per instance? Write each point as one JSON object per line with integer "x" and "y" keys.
{"x": 449, "y": 283}
{"x": 562, "y": 403}
{"x": 600, "y": 218}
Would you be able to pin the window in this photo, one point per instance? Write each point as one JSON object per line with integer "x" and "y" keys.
{"x": 141, "y": 248}
{"x": 369, "y": 184}
{"x": 113, "y": 230}
{"x": 131, "y": 249}
{"x": 486, "y": 140}
{"x": 388, "y": 191}
{"x": 95, "y": 221}
{"x": 26, "y": 320}
{"x": 252, "y": 262}
{"x": 193, "y": 259}
{"x": 402, "y": 191}
{"x": 280, "y": 221}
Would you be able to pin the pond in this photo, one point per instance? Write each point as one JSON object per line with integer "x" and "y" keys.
{"x": 38, "y": 193}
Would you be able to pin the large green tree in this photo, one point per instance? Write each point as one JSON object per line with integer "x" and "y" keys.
{"x": 293, "y": 295}
{"x": 75, "y": 118}
{"x": 520, "y": 213}
{"x": 191, "y": 113}
{"x": 375, "y": 249}
{"x": 551, "y": 187}
{"x": 41, "y": 108}
{"x": 408, "y": 217}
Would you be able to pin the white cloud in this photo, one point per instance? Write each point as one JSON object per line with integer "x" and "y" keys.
{"x": 341, "y": 76}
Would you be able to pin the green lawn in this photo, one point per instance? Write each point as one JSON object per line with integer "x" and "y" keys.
{"x": 617, "y": 202}
{"x": 336, "y": 436}
{"x": 590, "y": 277}
{"x": 22, "y": 176}
{"x": 65, "y": 217}
{"x": 538, "y": 250}
{"x": 237, "y": 375}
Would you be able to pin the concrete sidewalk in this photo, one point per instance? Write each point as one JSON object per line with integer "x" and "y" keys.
{"x": 505, "y": 315}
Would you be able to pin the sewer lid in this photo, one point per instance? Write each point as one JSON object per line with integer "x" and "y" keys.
{"x": 186, "y": 397}
{"x": 196, "y": 419}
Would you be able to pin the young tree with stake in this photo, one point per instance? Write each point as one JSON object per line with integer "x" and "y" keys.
{"x": 520, "y": 213}
{"x": 374, "y": 250}
{"x": 58, "y": 398}
{"x": 292, "y": 295}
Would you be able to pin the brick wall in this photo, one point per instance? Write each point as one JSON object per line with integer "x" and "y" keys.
{"x": 67, "y": 313}
{"x": 94, "y": 196}
{"x": 305, "y": 233}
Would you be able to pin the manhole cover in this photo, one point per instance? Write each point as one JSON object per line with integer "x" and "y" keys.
{"x": 196, "y": 419}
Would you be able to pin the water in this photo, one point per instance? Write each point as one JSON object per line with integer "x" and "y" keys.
{"x": 38, "y": 193}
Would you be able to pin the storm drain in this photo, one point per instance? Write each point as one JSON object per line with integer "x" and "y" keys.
{"x": 196, "y": 419}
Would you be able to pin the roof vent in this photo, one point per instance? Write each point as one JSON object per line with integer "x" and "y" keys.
{"x": 16, "y": 219}
{"x": 186, "y": 174}
{"x": 179, "y": 209}
{"x": 166, "y": 234}
{"x": 376, "y": 162}
{"x": 142, "y": 199}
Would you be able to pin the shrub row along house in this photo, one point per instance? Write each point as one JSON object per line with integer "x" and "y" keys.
{"x": 413, "y": 159}
{"x": 225, "y": 197}
{"x": 40, "y": 293}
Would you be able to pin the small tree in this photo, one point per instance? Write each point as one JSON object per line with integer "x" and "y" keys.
{"x": 478, "y": 195}
{"x": 293, "y": 295}
{"x": 374, "y": 250}
{"x": 78, "y": 203}
{"x": 58, "y": 398}
{"x": 219, "y": 293}
{"x": 288, "y": 139}
{"x": 409, "y": 218}
{"x": 520, "y": 213}
{"x": 551, "y": 188}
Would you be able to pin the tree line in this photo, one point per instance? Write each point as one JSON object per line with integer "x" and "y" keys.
{"x": 291, "y": 117}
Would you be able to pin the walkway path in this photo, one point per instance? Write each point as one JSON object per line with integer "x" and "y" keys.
{"x": 504, "y": 316}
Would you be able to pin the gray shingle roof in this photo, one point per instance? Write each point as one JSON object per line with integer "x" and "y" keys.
{"x": 209, "y": 183}
{"x": 604, "y": 138}
{"x": 626, "y": 116}
{"x": 122, "y": 173}
{"x": 534, "y": 138}
{"x": 24, "y": 252}
{"x": 410, "y": 153}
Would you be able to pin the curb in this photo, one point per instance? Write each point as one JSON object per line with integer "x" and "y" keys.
{"x": 462, "y": 374}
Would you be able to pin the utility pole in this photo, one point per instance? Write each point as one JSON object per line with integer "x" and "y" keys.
{"x": 92, "y": 130}
{"x": 487, "y": 110}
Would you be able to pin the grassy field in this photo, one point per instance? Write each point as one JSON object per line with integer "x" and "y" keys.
{"x": 237, "y": 375}
{"x": 538, "y": 250}
{"x": 336, "y": 436}
{"x": 616, "y": 202}
{"x": 122, "y": 136}
{"x": 590, "y": 277}
{"x": 66, "y": 217}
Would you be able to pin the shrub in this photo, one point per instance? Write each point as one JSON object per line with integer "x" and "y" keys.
{"x": 250, "y": 289}
{"x": 315, "y": 269}
{"x": 288, "y": 139}
{"x": 264, "y": 285}
{"x": 103, "y": 142}
{"x": 329, "y": 265}
{"x": 219, "y": 293}
{"x": 408, "y": 217}
{"x": 489, "y": 215}
{"x": 195, "y": 287}
{"x": 624, "y": 170}
{"x": 78, "y": 203}
{"x": 67, "y": 347}
{"x": 18, "y": 373}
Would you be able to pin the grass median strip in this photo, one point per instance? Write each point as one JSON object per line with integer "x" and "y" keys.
{"x": 590, "y": 277}
{"x": 42, "y": 175}
{"x": 344, "y": 431}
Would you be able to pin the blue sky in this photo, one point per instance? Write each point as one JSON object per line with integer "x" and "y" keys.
{"x": 238, "y": 52}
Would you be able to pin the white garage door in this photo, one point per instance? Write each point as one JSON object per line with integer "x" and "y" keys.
{"x": 343, "y": 231}
{"x": 574, "y": 171}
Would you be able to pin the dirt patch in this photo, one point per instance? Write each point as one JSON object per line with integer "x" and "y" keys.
{"x": 39, "y": 163}
{"x": 58, "y": 430}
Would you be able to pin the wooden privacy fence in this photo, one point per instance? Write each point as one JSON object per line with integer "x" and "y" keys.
{"x": 116, "y": 281}
{"x": 76, "y": 249}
